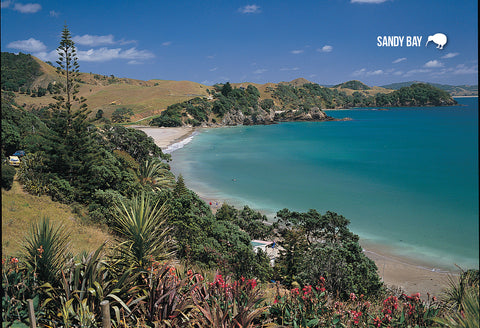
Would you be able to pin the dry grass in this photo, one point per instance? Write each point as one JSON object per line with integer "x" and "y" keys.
{"x": 20, "y": 210}
{"x": 145, "y": 98}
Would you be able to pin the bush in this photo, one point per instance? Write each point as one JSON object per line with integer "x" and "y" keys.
{"x": 8, "y": 172}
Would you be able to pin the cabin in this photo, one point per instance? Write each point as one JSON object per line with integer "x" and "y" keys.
{"x": 271, "y": 248}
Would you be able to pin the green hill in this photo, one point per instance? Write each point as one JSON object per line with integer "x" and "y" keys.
{"x": 354, "y": 85}
{"x": 454, "y": 90}
{"x": 35, "y": 83}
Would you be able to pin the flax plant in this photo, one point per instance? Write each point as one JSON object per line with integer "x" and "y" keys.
{"x": 143, "y": 233}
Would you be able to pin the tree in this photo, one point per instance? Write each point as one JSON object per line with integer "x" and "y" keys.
{"x": 68, "y": 67}
{"x": 141, "y": 224}
{"x": 226, "y": 89}
{"x": 317, "y": 246}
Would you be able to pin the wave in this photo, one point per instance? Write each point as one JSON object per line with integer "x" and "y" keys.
{"x": 175, "y": 146}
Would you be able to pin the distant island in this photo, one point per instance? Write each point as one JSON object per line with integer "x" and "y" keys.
{"x": 111, "y": 99}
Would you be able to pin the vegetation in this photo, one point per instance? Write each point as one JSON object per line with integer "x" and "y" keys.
{"x": 454, "y": 90}
{"x": 18, "y": 71}
{"x": 354, "y": 85}
{"x": 419, "y": 94}
{"x": 8, "y": 173}
{"x": 172, "y": 262}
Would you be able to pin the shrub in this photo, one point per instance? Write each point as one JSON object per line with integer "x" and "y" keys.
{"x": 8, "y": 172}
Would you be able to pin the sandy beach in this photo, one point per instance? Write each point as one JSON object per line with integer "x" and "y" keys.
{"x": 395, "y": 271}
{"x": 165, "y": 137}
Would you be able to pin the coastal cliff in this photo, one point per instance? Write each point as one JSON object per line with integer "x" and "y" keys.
{"x": 228, "y": 105}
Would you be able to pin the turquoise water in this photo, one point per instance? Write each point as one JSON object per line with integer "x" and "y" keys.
{"x": 405, "y": 178}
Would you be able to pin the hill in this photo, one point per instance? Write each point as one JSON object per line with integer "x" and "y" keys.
{"x": 454, "y": 90}
{"x": 354, "y": 85}
{"x": 20, "y": 210}
{"x": 142, "y": 100}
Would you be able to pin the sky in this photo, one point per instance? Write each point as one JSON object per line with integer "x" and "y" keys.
{"x": 214, "y": 41}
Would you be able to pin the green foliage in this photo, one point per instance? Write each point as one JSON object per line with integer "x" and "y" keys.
{"x": 17, "y": 287}
{"x": 142, "y": 225}
{"x": 326, "y": 241}
{"x": 250, "y": 221}
{"x": 419, "y": 94}
{"x": 177, "y": 114}
{"x": 301, "y": 308}
{"x": 354, "y": 85}
{"x": 135, "y": 142}
{"x": 18, "y": 71}
{"x": 99, "y": 114}
{"x": 8, "y": 173}
{"x": 121, "y": 115}
{"x": 170, "y": 117}
{"x": 223, "y": 303}
{"x": 155, "y": 176}
{"x": 20, "y": 129}
{"x": 45, "y": 250}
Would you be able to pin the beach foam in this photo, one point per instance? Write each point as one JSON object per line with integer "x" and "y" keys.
{"x": 180, "y": 144}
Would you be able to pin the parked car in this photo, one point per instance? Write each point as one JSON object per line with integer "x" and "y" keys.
{"x": 14, "y": 160}
{"x": 19, "y": 153}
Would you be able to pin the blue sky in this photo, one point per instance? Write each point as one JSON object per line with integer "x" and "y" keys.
{"x": 324, "y": 41}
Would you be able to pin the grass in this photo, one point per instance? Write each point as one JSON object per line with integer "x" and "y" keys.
{"x": 20, "y": 210}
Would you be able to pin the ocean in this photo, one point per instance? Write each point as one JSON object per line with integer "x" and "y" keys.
{"x": 406, "y": 178}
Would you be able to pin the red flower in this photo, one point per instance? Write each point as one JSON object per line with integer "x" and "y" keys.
{"x": 353, "y": 297}
{"x": 13, "y": 260}
{"x": 190, "y": 272}
{"x": 40, "y": 251}
{"x": 275, "y": 301}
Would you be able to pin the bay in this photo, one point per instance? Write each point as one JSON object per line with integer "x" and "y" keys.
{"x": 406, "y": 178}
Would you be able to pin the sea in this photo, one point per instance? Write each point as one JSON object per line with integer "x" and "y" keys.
{"x": 406, "y": 178}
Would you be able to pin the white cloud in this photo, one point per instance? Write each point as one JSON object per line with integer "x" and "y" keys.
{"x": 364, "y": 72}
{"x": 6, "y": 4}
{"x": 451, "y": 55}
{"x": 260, "y": 71}
{"x": 93, "y": 40}
{"x": 296, "y": 52}
{"x": 377, "y": 72}
{"x": 167, "y": 43}
{"x": 47, "y": 56}
{"x": 399, "y": 60}
{"x": 213, "y": 69}
{"x": 462, "y": 69}
{"x": 367, "y": 1}
{"x": 250, "y": 9}
{"x": 325, "y": 48}
{"x": 28, "y": 8}
{"x": 289, "y": 69}
{"x": 416, "y": 71}
{"x": 106, "y": 54}
{"x": 30, "y": 45}
{"x": 398, "y": 73}
{"x": 359, "y": 72}
{"x": 54, "y": 13}
{"x": 433, "y": 64}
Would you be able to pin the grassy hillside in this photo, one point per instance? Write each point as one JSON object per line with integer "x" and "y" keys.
{"x": 20, "y": 210}
{"x": 148, "y": 99}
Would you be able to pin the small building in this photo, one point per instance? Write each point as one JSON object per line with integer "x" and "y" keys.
{"x": 271, "y": 248}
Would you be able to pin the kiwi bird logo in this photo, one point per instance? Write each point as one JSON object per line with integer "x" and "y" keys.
{"x": 439, "y": 38}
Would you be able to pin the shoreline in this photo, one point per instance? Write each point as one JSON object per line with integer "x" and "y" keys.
{"x": 398, "y": 271}
{"x": 166, "y": 137}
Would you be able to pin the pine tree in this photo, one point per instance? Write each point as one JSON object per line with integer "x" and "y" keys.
{"x": 70, "y": 143}
{"x": 180, "y": 188}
